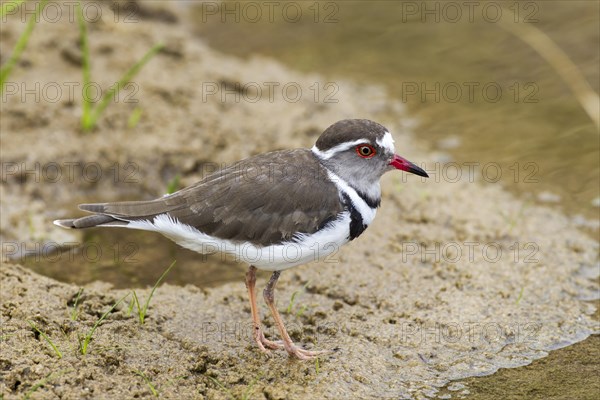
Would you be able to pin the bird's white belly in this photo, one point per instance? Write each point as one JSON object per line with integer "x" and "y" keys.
{"x": 303, "y": 249}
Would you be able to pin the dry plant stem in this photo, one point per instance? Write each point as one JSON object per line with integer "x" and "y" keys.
{"x": 257, "y": 332}
{"x": 562, "y": 64}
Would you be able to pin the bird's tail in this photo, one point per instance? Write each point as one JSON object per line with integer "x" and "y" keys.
{"x": 99, "y": 218}
{"x": 118, "y": 214}
{"x": 87, "y": 221}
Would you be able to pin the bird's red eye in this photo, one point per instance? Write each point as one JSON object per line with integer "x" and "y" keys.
{"x": 365, "y": 150}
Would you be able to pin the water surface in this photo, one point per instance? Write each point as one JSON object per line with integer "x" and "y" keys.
{"x": 477, "y": 90}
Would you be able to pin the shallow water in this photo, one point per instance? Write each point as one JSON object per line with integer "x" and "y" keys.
{"x": 477, "y": 90}
{"x": 119, "y": 255}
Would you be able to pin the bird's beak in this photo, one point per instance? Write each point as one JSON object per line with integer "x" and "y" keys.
{"x": 405, "y": 165}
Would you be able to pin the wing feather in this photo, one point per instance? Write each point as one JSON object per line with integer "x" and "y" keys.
{"x": 261, "y": 200}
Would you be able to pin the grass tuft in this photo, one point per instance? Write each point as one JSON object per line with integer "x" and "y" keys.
{"x": 293, "y": 299}
{"x": 131, "y": 304}
{"x": 56, "y": 351}
{"x": 43, "y": 381}
{"x": 9, "y": 6}
{"x": 520, "y": 295}
{"x": 301, "y": 311}
{"x": 147, "y": 380}
{"x": 135, "y": 117}
{"x": 3, "y": 338}
{"x": 85, "y": 341}
{"x": 6, "y": 69}
{"x": 173, "y": 184}
{"x": 247, "y": 393}
{"x": 91, "y": 113}
{"x": 74, "y": 312}
{"x": 291, "y": 303}
{"x": 143, "y": 310}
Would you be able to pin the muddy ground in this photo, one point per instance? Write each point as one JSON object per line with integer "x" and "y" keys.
{"x": 452, "y": 280}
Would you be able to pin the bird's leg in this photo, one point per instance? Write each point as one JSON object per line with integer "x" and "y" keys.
{"x": 257, "y": 332}
{"x": 290, "y": 347}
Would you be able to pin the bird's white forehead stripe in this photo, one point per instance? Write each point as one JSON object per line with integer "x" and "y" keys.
{"x": 387, "y": 142}
{"x": 324, "y": 155}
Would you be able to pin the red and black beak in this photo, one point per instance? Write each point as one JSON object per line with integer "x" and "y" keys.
{"x": 405, "y": 165}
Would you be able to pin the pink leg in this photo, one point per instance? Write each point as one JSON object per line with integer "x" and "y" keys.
{"x": 259, "y": 336}
{"x": 290, "y": 347}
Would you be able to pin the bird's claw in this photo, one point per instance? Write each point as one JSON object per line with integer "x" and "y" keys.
{"x": 265, "y": 344}
{"x": 303, "y": 354}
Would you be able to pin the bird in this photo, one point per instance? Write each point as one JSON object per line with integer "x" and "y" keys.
{"x": 274, "y": 210}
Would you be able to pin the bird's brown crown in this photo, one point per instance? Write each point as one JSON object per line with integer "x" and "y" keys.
{"x": 350, "y": 130}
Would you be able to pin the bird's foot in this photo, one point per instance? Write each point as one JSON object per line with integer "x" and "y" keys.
{"x": 265, "y": 344}
{"x": 303, "y": 354}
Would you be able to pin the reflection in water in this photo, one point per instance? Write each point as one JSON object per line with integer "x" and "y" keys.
{"x": 117, "y": 255}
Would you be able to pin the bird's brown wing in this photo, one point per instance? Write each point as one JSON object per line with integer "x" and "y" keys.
{"x": 264, "y": 200}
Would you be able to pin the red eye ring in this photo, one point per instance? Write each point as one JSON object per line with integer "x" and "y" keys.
{"x": 365, "y": 150}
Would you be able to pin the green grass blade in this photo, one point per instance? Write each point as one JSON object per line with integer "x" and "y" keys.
{"x": 219, "y": 384}
{"x": 74, "y": 312}
{"x": 56, "y": 351}
{"x": 99, "y": 109}
{"x": 303, "y": 308}
{"x": 88, "y": 337}
{"x": 20, "y": 45}
{"x": 521, "y": 294}
{"x": 148, "y": 382}
{"x": 4, "y": 337}
{"x": 291, "y": 304}
{"x": 293, "y": 299}
{"x": 134, "y": 118}
{"x": 43, "y": 381}
{"x": 5, "y": 6}
{"x": 132, "y": 303}
{"x": 173, "y": 184}
{"x": 145, "y": 309}
{"x": 87, "y": 75}
{"x": 91, "y": 113}
{"x": 137, "y": 305}
{"x": 251, "y": 387}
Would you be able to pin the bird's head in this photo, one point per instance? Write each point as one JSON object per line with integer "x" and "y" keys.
{"x": 360, "y": 151}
